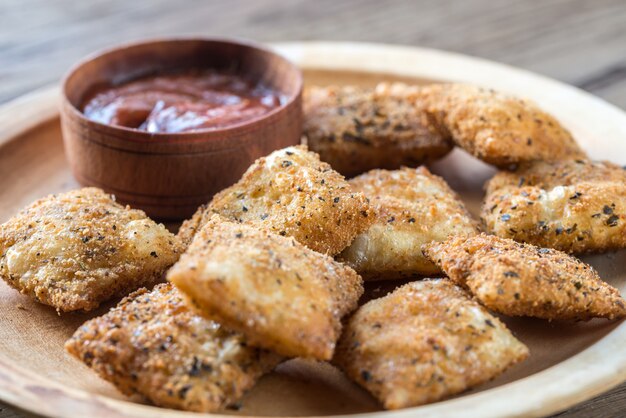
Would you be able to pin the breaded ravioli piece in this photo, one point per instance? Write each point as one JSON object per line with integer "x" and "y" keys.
{"x": 413, "y": 207}
{"x": 356, "y": 129}
{"x": 77, "y": 249}
{"x": 574, "y": 206}
{"x": 154, "y": 345}
{"x": 523, "y": 280}
{"x": 424, "y": 342}
{"x": 497, "y": 128}
{"x": 291, "y": 192}
{"x": 282, "y": 295}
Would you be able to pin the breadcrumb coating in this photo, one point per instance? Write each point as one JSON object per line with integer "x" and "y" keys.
{"x": 424, "y": 342}
{"x": 497, "y": 128}
{"x": 77, "y": 249}
{"x": 357, "y": 129}
{"x": 153, "y": 345}
{"x": 190, "y": 226}
{"x": 523, "y": 280}
{"x": 574, "y": 206}
{"x": 413, "y": 207}
{"x": 292, "y": 193}
{"x": 282, "y": 295}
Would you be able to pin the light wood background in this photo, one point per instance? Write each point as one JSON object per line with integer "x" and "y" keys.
{"x": 581, "y": 42}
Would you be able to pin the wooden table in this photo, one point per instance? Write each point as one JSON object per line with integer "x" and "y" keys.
{"x": 580, "y": 42}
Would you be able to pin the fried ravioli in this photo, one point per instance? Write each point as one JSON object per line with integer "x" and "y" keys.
{"x": 291, "y": 192}
{"x": 573, "y": 206}
{"x": 357, "y": 129}
{"x": 523, "y": 280}
{"x": 495, "y": 127}
{"x": 152, "y": 344}
{"x": 280, "y": 294}
{"x": 413, "y": 207}
{"x": 424, "y": 342}
{"x": 77, "y": 249}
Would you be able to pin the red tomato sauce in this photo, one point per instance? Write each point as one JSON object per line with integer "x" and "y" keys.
{"x": 184, "y": 102}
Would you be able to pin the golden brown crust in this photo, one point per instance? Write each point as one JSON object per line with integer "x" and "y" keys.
{"x": 523, "y": 280}
{"x": 413, "y": 207}
{"x": 291, "y": 192}
{"x": 152, "y": 344}
{"x": 495, "y": 127}
{"x": 424, "y": 342}
{"x": 357, "y": 129}
{"x": 573, "y": 206}
{"x": 77, "y": 249}
{"x": 280, "y": 294}
{"x": 191, "y": 226}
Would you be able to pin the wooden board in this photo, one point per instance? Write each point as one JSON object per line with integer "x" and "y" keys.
{"x": 569, "y": 362}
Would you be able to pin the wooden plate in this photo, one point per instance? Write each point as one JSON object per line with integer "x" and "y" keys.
{"x": 569, "y": 362}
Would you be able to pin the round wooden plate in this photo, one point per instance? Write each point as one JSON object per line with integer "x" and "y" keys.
{"x": 569, "y": 363}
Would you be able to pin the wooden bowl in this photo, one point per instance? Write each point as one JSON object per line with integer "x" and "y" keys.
{"x": 169, "y": 175}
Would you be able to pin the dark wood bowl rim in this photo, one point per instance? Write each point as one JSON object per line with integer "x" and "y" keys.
{"x": 211, "y": 134}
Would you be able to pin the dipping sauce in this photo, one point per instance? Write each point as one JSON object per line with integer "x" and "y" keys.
{"x": 182, "y": 102}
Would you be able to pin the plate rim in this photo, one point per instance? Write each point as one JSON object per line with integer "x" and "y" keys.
{"x": 560, "y": 384}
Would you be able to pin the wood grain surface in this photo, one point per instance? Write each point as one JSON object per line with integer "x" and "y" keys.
{"x": 580, "y": 42}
